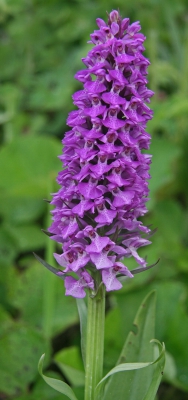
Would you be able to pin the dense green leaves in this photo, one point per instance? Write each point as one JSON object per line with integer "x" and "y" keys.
{"x": 42, "y": 44}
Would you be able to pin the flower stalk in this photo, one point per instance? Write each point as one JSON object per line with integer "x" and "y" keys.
{"x": 94, "y": 342}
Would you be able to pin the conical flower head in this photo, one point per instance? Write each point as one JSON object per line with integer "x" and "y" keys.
{"x": 104, "y": 186}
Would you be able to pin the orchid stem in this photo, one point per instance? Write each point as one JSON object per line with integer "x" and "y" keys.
{"x": 94, "y": 342}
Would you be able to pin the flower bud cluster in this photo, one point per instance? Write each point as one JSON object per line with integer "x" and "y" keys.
{"x": 104, "y": 186}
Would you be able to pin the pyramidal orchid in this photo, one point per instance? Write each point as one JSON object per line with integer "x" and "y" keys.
{"x": 104, "y": 184}
{"x": 103, "y": 193}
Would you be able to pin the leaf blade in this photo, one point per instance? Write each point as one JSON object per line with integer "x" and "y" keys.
{"x": 56, "y": 384}
{"x": 55, "y": 271}
{"x": 135, "y": 350}
{"x": 157, "y": 376}
{"x": 133, "y": 366}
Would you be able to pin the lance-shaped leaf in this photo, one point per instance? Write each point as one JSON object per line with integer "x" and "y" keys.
{"x": 136, "y": 358}
{"x": 55, "y": 271}
{"x": 159, "y": 367}
{"x": 157, "y": 375}
{"x": 56, "y": 384}
{"x": 137, "y": 271}
{"x": 47, "y": 233}
{"x": 141, "y": 269}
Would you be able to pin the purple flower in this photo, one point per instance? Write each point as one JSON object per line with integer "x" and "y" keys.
{"x": 104, "y": 186}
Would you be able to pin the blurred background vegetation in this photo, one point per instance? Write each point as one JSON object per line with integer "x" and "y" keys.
{"x": 42, "y": 43}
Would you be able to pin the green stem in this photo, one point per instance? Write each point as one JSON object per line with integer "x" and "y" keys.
{"x": 94, "y": 342}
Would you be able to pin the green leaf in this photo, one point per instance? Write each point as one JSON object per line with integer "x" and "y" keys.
{"x": 70, "y": 363}
{"x": 136, "y": 352}
{"x": 50, "y": 268}
{"x": 24, "y": 297}
{"x": 138, "y": 270}
{"x": 27, "y": 237}
{"x": 172, "y": 324}
{"x": 20, "y": 348}
{"x": 60, "y": 386}
{"x": 171, "y": 373}
{"x": 8, "y": 246}
{"x": 6, "y": 322}
{"x": 41, "y": 391}
{"x": 157, "y": 375}
{"x": 163, "y": 153}
{"x": 18, "y": 210}
{"x": 82, "y": 311}
{"x": 28, "y": 163}
{"x": 135, "y": 366}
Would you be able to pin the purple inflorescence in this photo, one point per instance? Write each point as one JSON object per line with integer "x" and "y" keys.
{"x": 104, "y": 186}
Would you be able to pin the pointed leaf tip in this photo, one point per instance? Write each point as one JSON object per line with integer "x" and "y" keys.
{"x": 55, "y": 271}
{"x": 46, "y": 232}
{"x": 142, "y": 269}
{"x": 56, "y": 384}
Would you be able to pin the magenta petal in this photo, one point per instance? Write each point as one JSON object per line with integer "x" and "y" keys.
{"x": 99, "y": 169}
{"x": 123, "y": 198}
{"x": 76, "y": 118}
{"x": 125, "y": 24}
{"x": 90, "y": 190}
{"x": 83, "y": 75}
{"x": 87, "y": 279}
{"x": 118, "y": 76}
{"x": 123, "y": 269}
{"x": 80, "y": 262}
{"x": 106, "y": 216}
{"x": 82, "y": 207}
{"x": 95, "y": 86}
{"x": 101, "y": 260}
{"x": 100, "y": 22}
{"x": 60, "y": 259}
{"x": 114, "y": 123}
{"x": 118, "y": 180}
{"x": 139, "y": 259}
{"x": 119, "y": 250}
{"x": 113, "y": 98}
{"x": 124, "y": 59}
{"x": 110, "y": 280}
{"x": 69, "y": 229}
{"x": 98, "y": 244}
{"x": 74, "y": 288}
{"x": 114, "y": 28}
{"x": 95, "y": 111}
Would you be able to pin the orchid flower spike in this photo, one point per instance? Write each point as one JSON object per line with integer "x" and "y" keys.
{"x": 104, "y": 183}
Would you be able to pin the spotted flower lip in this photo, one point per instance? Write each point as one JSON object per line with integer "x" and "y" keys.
{"x": 104, "y": 183}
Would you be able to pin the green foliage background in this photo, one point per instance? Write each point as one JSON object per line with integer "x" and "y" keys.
{"x": 42, "y": 43}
